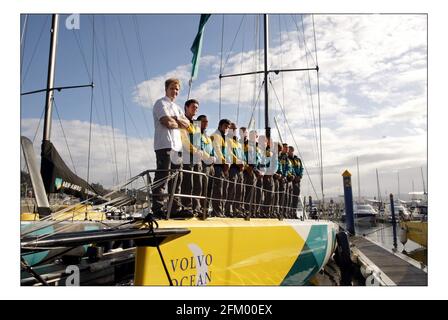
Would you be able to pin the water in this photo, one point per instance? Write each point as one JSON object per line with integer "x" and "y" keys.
{"x": 382, "y": 233}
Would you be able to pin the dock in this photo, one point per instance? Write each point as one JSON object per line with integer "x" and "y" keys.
{"x": 385, "y": 267}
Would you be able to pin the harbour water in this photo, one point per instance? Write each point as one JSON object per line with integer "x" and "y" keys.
{"x": 382, "y": 233}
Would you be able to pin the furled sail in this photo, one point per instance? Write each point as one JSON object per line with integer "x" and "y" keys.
{"x": 58, "y": 177}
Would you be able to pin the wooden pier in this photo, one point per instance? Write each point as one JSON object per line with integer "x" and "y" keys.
{"x": 386, "y": 267}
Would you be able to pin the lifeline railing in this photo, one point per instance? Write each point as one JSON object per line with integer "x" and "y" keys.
{"x": 280, "y": 208}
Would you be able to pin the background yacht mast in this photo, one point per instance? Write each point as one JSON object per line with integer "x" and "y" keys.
{"x": 378, "y": 186}
{"x": 423, "y": 181}
{"x": 359, "y": 183}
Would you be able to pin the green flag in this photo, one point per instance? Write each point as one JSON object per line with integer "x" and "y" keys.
{"x": 197, "y": 45}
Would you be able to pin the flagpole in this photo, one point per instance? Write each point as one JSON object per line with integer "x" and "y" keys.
{"x": 189, "y": 87}
{"x": 196, "y": 50}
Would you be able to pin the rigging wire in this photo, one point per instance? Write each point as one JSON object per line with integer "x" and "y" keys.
{"x": 307, "y": 51}
{"x": 83, "y": 56}
{"x": 103, "y": 100}
{"x": 145, "y": 68}
{"x": 293, "y": 138}
{"x": 128, "y": 162}
{"x": 320, "y": 121}
{"x": 22, "y": 43}
{"x": 102, "y": 134}
{"x": 281, "y": 63}
{"x": 309, "y": 124}
{"x": 255, "y": 105}
{"x": 35, "y": 134}
{"x": 120, "y": 87}
{"x": 91, "y": 99}
{"x": 311, "y": 94}
{"x": 65, "y": 137}
{"x": 114, "y": 78}
{"x": 314, "y": 145}
{"x": 23, "y": 29}
{"x": 110, "y": 103}
{"x": 134, "y": 78}
{"x": 220, "y": 68}
{"x": 241, "y": 70}
{"x": 58, "y": 217}
{"x": 233, "y": 42}
{"x": 260, "y": 59}
{"x": 38, "y": 125}
{"x": 34, "y": 50}
{"x": 254, "y": 98}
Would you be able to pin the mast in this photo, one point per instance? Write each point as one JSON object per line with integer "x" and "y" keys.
{"x": 50, "y": 78}
{"x": 398, "y": 176}
{"x": 378, "y": 186}
{"x": 359, "y": 184}
{"x": 266, "y": 92}
{"x": 423, "y": 181}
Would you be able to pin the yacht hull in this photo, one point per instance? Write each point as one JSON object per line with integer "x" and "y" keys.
{"x": 228, "y": 251}
{"x": 416, "y": 231}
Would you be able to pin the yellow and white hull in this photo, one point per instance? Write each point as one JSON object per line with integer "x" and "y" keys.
{"x": 416, "y": 231}
{"x": 228, "y": 251}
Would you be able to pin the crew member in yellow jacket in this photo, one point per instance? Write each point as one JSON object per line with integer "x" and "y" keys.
{"x": 191, "y": 158}
{"x": 221, "y": 166}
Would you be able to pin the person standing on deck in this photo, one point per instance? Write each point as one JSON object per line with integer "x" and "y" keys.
{"x": 208, "y": 159}
{"x": 221, "y": 167}
{"x": 251, "y": 172}
{"x": 192, "y": 155}
{"x": 297, "y": 169}
{"x": 276, "y": 180}
{"x": 284, "y": 181}
{"x": 168, "y": 119}
{"x": 268, "y": 167}
{"x": 235, "y": 156}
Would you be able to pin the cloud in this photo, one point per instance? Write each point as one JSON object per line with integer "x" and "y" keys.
{"x": 373, "y": 77}
{"x": 146, "y": 91}
{"x": 102, "y": 162}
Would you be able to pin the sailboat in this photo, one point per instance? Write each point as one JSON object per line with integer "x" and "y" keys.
{"x": 416, "y": 226}
{"x": 218, "y": 251}
{"x": 54, "y": 176}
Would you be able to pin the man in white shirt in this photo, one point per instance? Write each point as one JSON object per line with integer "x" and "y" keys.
{"x": 168, "y": 119}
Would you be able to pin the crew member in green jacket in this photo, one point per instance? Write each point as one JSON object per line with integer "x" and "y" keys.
{"x": 251, "y": 171}
{"x": 297, "y": 169}
{"x": 233, "y": 184}
{"x": 208, "y": 159}
{"x": 284, "y": 181}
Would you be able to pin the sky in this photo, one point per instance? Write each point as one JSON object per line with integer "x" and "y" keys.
{"x": 372, "y": 90}
{"x": 344, "y": 54}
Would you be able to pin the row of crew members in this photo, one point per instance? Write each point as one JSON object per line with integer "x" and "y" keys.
{"x": 241, "y": 175}
{"x": 242, "y": 181}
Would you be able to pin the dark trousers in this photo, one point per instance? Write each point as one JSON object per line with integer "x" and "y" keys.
{"x": 276, "y": 197}
{"x": 288, "y": 198}
{"x": 282, "y": 185}
{"x": 217, "y": 190}
{"x": 258, "y": 208}
{"x": 295, "y": 197}
{"x": 239, "y": 193}
{"x": 232, "y": 187}
{"x": 207, "y": 185}
{"x": 268, "y": 195}
{"x": 163, "y": 162}
{"x": 191, "y": 185}
{"x": 249, "y": 190}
